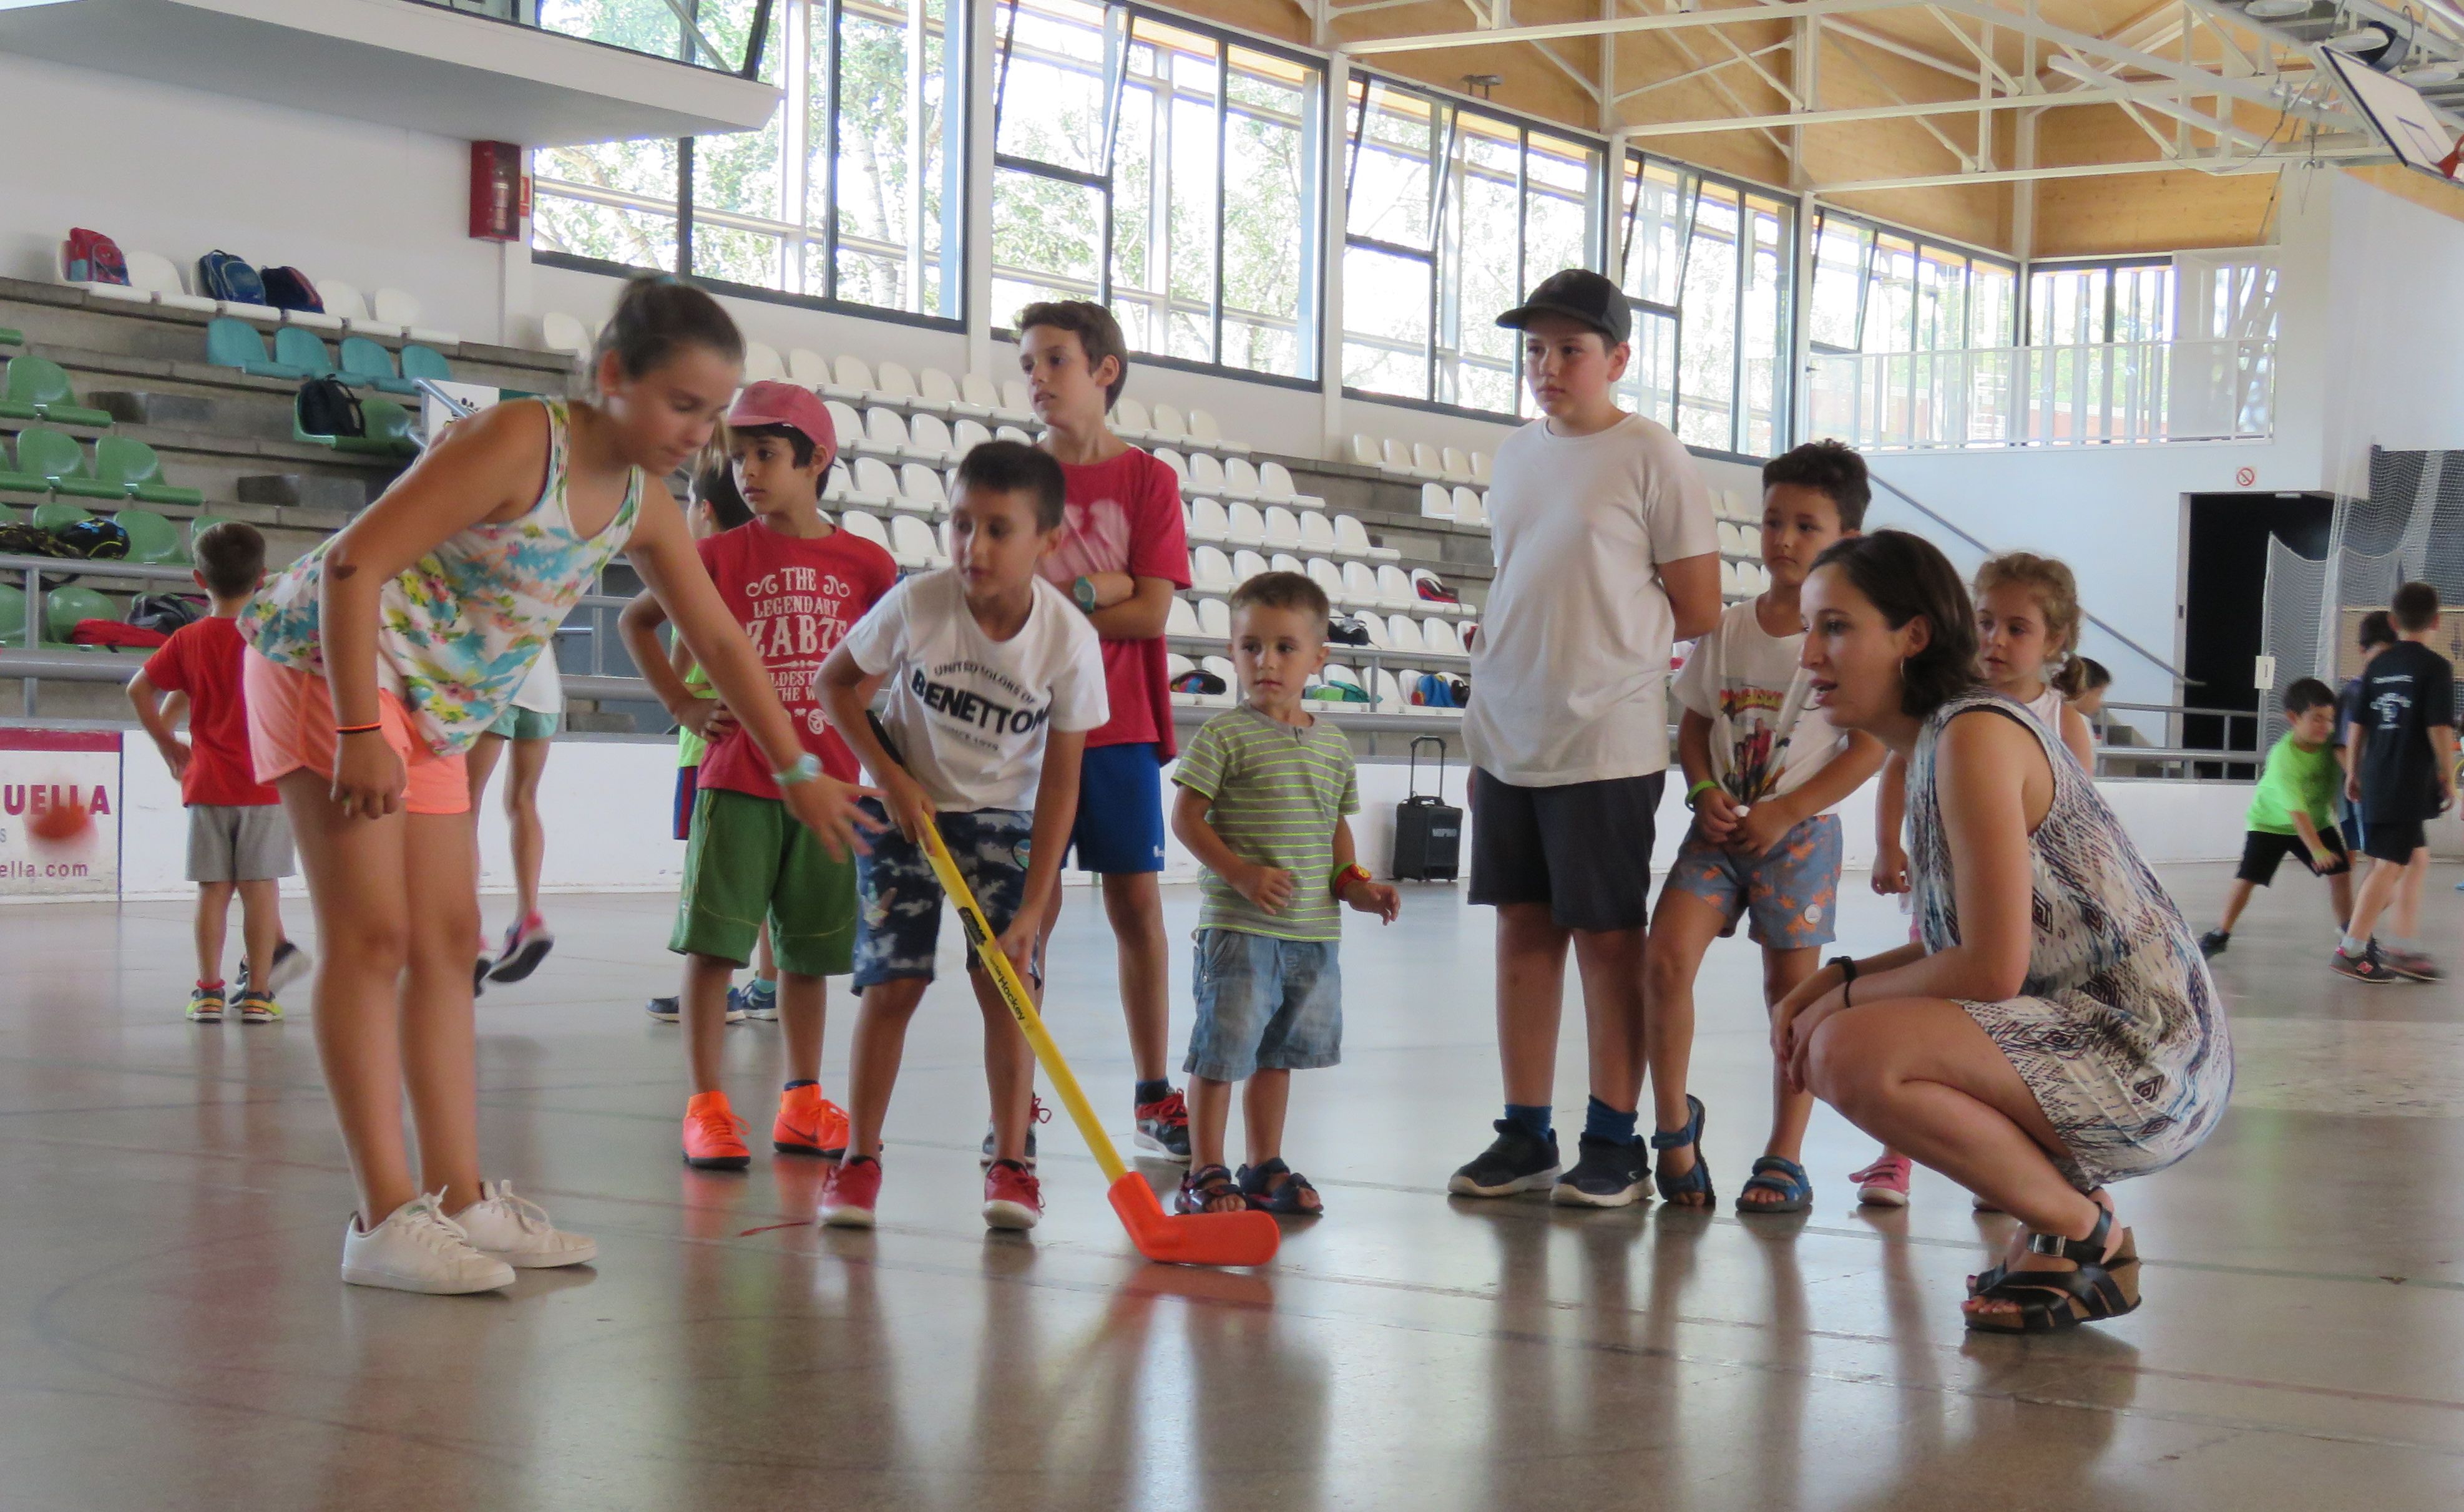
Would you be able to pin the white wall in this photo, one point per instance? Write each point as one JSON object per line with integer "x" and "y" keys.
{"x": 2393, "y": 335}
{"x": 180, "y": 173}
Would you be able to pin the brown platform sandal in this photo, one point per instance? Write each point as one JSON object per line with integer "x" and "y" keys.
{"x": 2099, "y": 1289}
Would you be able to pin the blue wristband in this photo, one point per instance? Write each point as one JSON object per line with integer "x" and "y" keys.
{"x": 808, "y": 767}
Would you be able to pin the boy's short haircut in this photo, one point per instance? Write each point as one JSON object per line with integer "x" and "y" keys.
{"x": 230, "y": 557}
{"x": 1283, "y": 590}
{"x": 799, "y": 442}
{"x": 2414, "y": 607}
{"x": 1832, "y": 469}
{"x": 2305, "y": 694}
{"x": 714, "y": 484}
{"x": 2377, "y": 628}
{"x": 2093, "y": 674}
{"x": 1098, "y": 334}
{"x": 1013, "y": 467}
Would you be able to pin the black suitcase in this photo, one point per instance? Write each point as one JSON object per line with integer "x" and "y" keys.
{"x": 1428, "y": 833}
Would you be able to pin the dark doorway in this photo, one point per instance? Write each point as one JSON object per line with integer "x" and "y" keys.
{"x": 2225, "y": 609}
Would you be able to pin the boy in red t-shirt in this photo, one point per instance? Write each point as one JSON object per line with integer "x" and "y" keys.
{"x": 238, "y": 841}
{"x": 797, "y": 585}
{"x": 1124, "y": 553}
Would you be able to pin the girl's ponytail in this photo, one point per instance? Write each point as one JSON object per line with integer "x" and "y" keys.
{"x": 657, "y": 316}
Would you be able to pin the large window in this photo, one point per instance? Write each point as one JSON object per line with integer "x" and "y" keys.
{"x": 1705, "y": 265}
{"x": 1450, "y": 214}
{"x": 1913, "y": 339}
{"x": 1117, "y": 135}
{"x": 2082, "y": 304}
{"x": 850, "y": 192}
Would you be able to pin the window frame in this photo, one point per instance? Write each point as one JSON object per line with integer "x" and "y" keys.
{"x": 2129, "y": 263}
{"x": 1920, "y": 242}
{"x": 1310, "y": 121}
{"x": 1790, "y": 303}
{"x": 959, "y": 106}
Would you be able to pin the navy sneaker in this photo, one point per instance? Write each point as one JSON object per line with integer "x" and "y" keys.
{"x": 1036, "y": 1113}
{"x": 2366, "y": 967}
{"x": 1517, "y": 1161}
{"x": 1164, "y": 1127}
{"x": 757, "y": 998}
{"x": 2214, "y": 943}
{"x": 1609, "y": 1175}
{"x": 667, "y": 1009}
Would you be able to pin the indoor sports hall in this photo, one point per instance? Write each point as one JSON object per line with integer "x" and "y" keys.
{"x": 1831, "y": 606}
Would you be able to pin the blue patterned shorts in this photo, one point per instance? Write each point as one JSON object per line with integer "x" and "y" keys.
{"x": 1791, "y": 892}
{"x": 1265, "y": 1004}
{"x": 898, "y": 900}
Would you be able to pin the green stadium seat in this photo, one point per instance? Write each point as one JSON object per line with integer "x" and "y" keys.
{"x": 10, "y": 336}
{"x": 38, "y": 389}
{"x": 64, "y": 607}
{"x": 390, "y": 433}
{"x": 57, "y": 515}
{"x": 152, "y": 539}
{"x": 426, "y": 361}
{"x": 298, "y": 347}
{"x": 369, "y": 365}
{"x": 13, "y": 616}
{"x": 57, "y": 456}
{"x": 198, "y": 525}
{"x": 131, "y": 467}
{"x": 235, "y": 344}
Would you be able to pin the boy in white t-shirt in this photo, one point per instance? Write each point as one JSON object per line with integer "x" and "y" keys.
{"x": 995, "y": 678}
{"x": 1763, "y": 774}
{"x": 1606, "y": 553}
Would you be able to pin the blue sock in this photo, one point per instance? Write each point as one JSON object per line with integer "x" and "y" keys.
{"x": 1531, "y": 1119}
{"x": 1155, "y": 1092}
{"x": 792, "y": 1085}
{"x": 1603, "y": 1121}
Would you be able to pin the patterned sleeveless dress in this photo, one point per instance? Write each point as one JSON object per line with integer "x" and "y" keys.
{"x": 2118, "y": 1030}
{"x": 459, "y": 630}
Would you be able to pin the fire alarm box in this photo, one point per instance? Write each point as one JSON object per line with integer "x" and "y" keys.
{"x": 500, "y": 191}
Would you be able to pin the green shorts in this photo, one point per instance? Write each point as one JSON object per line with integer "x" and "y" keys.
{"x": 748, "y": 858}
{"x": 524, "y": 724}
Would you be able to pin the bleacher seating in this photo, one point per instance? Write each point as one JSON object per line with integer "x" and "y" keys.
{"x": 38, "y": 389}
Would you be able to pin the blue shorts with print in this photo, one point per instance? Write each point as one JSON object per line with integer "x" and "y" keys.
{"x": 898, "y": 900}
{"x": 1265, "y": 1004}
{"x": 1791, "y": 892}
{"x": 1120, "y": 811}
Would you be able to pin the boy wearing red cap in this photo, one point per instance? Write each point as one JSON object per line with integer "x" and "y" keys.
{"x": 797, "y": 584}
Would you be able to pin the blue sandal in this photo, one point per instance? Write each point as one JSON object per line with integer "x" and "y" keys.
{"x": 1783, "y": 1175}
{"x": 1696, "y": 1181}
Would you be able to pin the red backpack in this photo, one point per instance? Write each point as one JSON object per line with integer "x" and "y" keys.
{"x": 92, "y": 257}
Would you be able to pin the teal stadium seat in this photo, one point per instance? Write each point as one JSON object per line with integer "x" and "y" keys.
{"x": 426, "y": 361}
{"x": 235, "y": 344}
{"x": 390, "y": 433}
{"x": 298, "y": 347}
{"x": 367, "y": 364}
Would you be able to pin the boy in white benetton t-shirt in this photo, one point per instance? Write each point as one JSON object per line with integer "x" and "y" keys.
{"x": 994, "y": 680}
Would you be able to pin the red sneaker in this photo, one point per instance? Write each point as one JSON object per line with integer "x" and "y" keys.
{"x": 809, "y": 1124}
{"x": 1013, "y": 1198}
{"x": 852, "y": 1192}
{"x": 714, "y": 1135}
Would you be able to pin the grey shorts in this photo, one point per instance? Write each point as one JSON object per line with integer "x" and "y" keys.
{"x": 251, "y": 844}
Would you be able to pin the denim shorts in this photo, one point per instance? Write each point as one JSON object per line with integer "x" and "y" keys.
{"x": 1791, "y": 892}
{"x": 1265, "y": 1004}
{"x": 898, "y": 900}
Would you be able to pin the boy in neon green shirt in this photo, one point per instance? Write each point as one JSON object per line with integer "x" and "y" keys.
{"x": 2293, "y": 811}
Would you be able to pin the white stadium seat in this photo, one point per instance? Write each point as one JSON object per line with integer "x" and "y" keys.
{"x": 1210, "y": 571}
{"x": 807, "y": 367}
{"x": 1425, "y": 460}
{"x": 913, "y": 544}
{"x": 1129, "y": 418}
{"x": 1728, "y": 586}
{"x": 1406, "y": 632}
{"x": 1247, "y": 564}
{"x": 1207, "y": 520}
{"x": 1206, "y": 474}
{"x": 978, "y": 396}
{"x": 1318, "y": 532}
{"x": 930, "y": 434}
{"x": 559, "y": 331}
{"x": 1361, "y": 586}
{"x": 968, "y": 434}
{"x": 1364, "y": 448}
{"x": 1395, "y": 589}
{"x": 1244, "y": 526}
{"x": 1395, "y": 456}
{"x": 1182, "y": 618}
{"x": 1436, "y": 503}
{"x": 1203, "y": 430}
{"x": 1274, "y": 483}
{"x": 1283, "y": 528}
{"x": 1480, "y": 467}
{"x": 1439, "y": 635}
{"x": 1214, "y": 618}
{"x": 1239, "y": 478}
{"x": 1174, "y": 460}
{"x": 1285, "y": 561}
{"x": 1015, "y": 403}
{"x": 886, "y": 430}
{"x": 937, "y": 390}
{"x": 1330, "y": 577}
{"x": 863, "y": 527}
{"x": 893, "y": 380}
{"x": 399, "y": 307}
{"x": 763, "y": 363}
{"x": 851, "y": 380}
{"x": 1471, "y": 509}
{"x": 342, "y": 301}
{"x": 1350, "y": 539}
{"x": 874, "y": 484}
{"x": 849, "y": 424}
{"x": 837, "y": 486}
{"x": 921, "y": 489}
{"x": 1013, "y": 433}
{"x": 1164, "y": 423}
{"x": 1455, "y": 463}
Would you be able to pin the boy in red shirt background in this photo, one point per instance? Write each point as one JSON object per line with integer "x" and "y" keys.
{"x": 238, "y": 839}
{"x": 1124, "y": 553}
{"x": 797, "y": 585}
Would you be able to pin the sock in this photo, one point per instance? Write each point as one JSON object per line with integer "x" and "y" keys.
{"x": 763, "y": 987}
{"x": 2353, "y": 947}
{"x": 1603, "y": 1121}
{"x": 1155, "y": 1092}
{"x": 792, "y": 1085}
{"x": 1530, "y": 1119}
{"x": 216, "y": 985}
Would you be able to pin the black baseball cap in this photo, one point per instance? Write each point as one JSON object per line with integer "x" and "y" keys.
{"x": 1578, "y": 294}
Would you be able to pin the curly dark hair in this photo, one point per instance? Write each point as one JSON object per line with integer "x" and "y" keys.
{"x": 1830, "y": 467}
{"x": 1906, "y": 576}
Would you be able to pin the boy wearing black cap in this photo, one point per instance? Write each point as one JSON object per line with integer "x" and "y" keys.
{"x": 1607, "y": 554}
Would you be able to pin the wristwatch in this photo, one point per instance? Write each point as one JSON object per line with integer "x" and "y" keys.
{"x": 1356, "y": 872}
{"x": 808, "y": 767}
{"x": 1083, "y": 593}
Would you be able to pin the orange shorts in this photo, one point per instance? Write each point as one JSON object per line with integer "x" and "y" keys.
{"x": 291, "y": 728}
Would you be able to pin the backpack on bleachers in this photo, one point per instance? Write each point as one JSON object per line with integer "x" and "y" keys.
{"x": 220, "y": 275}
{"x": 289, "y": 289}
{"x": 1434, "y": 692}
{"x": 92, "y": 257}
{"x": 329, "y": 409}
{"x": 163, "y": 612}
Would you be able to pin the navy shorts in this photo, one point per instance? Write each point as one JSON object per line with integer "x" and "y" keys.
{"x": 1265, "y": 1004}
{"x": 1584, "y": 848}
{"x": 1120, "y": 811}
{"x": 898, "y": 900}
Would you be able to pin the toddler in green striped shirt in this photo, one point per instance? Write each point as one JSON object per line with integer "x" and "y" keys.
{"x": 1264, "y": 792}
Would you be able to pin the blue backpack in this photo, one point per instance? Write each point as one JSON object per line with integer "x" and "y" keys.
{"x": 220, "y": 275}
{"x": 1435, "y": 692}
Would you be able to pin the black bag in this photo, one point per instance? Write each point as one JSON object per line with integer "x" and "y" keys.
{"x": 289, "y": 289}
{"x": 20, "y": 540}
{"x": 327, "y": 407}
{"x": 1428, "y": 833}
{"x": 163, "y": 612}
{"x": 1346, "y": 629}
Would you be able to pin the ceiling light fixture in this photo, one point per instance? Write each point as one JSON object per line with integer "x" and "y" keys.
{"x": 2276, "y": 9}
{"x": 2425, "y": 75}
{"x": 2359, "y": 40}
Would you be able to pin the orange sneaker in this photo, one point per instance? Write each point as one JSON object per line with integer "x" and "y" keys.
{"x": 714, "y": 1135}
{"x": 809, "y": 1124}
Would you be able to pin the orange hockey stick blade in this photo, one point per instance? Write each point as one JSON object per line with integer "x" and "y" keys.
{"x": 1192, "y": 1239}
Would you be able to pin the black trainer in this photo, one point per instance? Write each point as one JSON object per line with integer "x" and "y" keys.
{"x": 1518, "y": 1161}
{"x": 1609, "y": 1175}
{"x": 2213, "y": 943}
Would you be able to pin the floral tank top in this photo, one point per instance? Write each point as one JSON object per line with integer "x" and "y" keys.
{"x": 459, "y": 629}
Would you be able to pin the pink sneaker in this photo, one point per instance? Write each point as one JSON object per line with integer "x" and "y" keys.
{"x": 527, "y": 943}
{"x": 1883, "y": 1184}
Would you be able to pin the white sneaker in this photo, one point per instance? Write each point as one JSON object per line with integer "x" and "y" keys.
{"x": 516, "y": 1230}
{"x": 418, "y": 1248}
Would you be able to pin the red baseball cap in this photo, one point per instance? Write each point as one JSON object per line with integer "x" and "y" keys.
{"x": 771, "y": 403}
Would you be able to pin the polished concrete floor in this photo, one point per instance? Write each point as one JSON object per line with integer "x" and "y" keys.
{"x": 173, "y": 1334}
